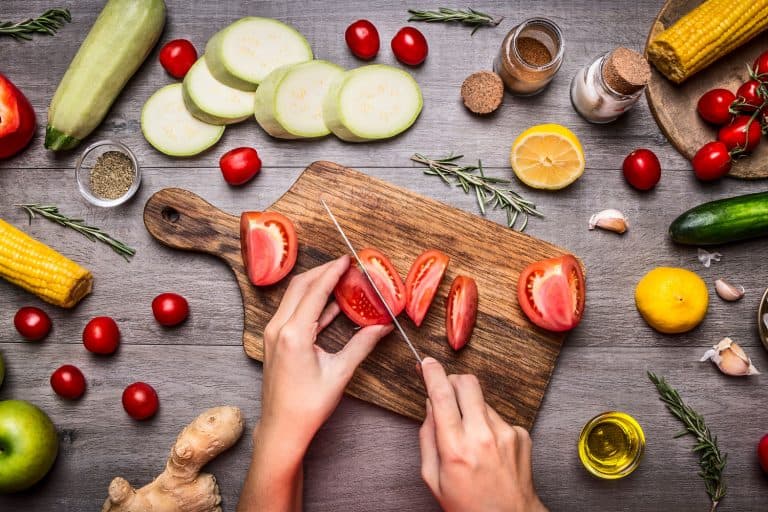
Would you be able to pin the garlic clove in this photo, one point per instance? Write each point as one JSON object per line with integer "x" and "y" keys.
{"x": 727, "y": 291}
{"x": 706, "y": 258}
{"x": 610, "y": 220}
{"x": 730, "y": 358}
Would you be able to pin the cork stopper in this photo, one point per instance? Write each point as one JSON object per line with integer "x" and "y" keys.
{"x": 626, "y": 71}
{"x": 482, "y": 92}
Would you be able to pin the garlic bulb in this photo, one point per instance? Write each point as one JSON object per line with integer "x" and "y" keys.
{"x": 730, "y": 359}
{"x": 727, "y": 291}
{"x": 610, "y": 220}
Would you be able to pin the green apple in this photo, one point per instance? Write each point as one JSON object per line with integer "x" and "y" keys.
{"x": 28, "y": 445}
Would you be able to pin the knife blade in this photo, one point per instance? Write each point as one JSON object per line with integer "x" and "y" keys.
{"x": 370, "y": 280}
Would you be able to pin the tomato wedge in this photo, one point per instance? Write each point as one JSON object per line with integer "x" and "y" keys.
{"x": 357, "y": 298}
{"x": 461, "y": 311}
{"x": 422, "y": 282}
{"x": 269, "y": 246}
{"x": 551, "y": 293}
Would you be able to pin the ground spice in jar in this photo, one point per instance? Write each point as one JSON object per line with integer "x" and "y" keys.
{"x": 112, "y": 175}
{"x": 482, "y": 92}
{"x": 533, "y": 51}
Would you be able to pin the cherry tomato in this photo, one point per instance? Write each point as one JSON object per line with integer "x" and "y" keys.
{"x": 461, "y": 311}
{"x": 68, "y": 382}
{"x": 140, "y": 401}
{"x": 32, "y": 323}
{"x": 410, "y": 46}
{"x": 177, "y": 57}
{"x": 712, "y": 161}
{"x": 748, "y": 97}
{"x": 760, "y": 66}
{"x": 101, "y": 335}
{"x": 358, "y": 300}
{"x": 362, "y": 39}
{"x": 269, "y": 246}
{"x": 422, "y": 282}
{"x": 170, "y": 309}
{"x": 714, "y": 106}
{"x": 240, "y": 165}
{"x": 642, "y": 169}
{"x": 551, "y": 293}
{"x": 762, "y": 447}
{"x": 743, "y": 134}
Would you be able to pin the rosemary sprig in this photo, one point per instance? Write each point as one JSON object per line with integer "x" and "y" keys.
{"x": 466, "y": 16}
{"x": 91, "y": 233}
{"x": 711, "y": 460}
{"x": 47, "y": 23}
{"x": 489, "y": 191}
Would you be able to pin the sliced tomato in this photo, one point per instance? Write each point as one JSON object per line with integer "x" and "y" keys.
{"x": 461, "y": 311}
{"x": 551, "y": 293}
{"x": 269, "y": 246}
{"x": 422, "y": 282}
{"x": 357, "y": 298}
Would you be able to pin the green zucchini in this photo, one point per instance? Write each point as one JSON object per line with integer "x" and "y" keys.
{"x": 722, "y": 221}
{"x": 119, "y": 41}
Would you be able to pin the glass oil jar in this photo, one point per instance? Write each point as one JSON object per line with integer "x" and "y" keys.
{"x": 611, "y": 445}
{"x": 530, "y": 56}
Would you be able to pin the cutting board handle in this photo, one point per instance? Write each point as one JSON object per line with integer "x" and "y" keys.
{"x": 183, "y": 220}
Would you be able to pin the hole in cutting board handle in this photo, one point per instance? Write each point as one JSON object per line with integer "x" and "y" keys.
{"x": 170, "y": 214}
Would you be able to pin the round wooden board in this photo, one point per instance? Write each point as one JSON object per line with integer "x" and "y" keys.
{"x": 674, "y": 106}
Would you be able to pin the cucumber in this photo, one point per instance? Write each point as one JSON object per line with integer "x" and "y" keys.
{"x": 289, "y": 102}
{"x": 119, "y": 41}
{"x": 725, "y": 220}
{"x": 244, "y": 53}
{"x": 372, "y": 102}
{"x": 171, "y": 129}
{"x": 211, "y": 101}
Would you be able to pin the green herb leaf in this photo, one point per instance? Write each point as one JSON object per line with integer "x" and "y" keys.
{"x": 47, "y": 23}
{"x": 466, "y": 16}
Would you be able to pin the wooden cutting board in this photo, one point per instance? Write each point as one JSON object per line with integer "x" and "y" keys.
{"x": 512, "y": 358}
{"x": 674, "y": 106}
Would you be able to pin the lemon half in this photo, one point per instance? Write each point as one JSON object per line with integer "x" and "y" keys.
{"x": 547, "y": 156}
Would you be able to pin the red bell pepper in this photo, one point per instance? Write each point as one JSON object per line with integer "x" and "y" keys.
{"x": 17, "y": 119}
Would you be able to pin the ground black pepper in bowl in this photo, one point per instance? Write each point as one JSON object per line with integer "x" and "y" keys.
{"x": 112, "y": 175}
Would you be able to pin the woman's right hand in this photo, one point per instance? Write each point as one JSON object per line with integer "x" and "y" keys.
{"x": 471, "y": 459}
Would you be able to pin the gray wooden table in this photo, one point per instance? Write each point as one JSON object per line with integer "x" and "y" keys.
{"x": 366, "y": 459}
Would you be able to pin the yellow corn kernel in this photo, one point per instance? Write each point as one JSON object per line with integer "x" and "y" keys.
{"x": 705, "y": 34}
{"x": 41, "y": 270}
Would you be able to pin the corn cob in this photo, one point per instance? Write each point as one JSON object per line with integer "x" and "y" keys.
{"x": 41, "y": 270}
{"x": 705, "y": 34}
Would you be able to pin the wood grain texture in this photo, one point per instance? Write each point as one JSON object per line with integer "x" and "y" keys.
{"x": 366, "y": 458}
{"x": 674, "y": 106}
{"x": 513, "y": 359}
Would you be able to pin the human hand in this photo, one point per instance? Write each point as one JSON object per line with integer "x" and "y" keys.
{"x": 302, "y": 383}
{"x": 471, "y": 459}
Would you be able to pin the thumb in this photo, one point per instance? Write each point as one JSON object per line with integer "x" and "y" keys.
{"x": 359, "y": 346}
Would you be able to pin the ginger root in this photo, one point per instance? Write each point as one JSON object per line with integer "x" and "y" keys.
{"x": 181, "y": 487}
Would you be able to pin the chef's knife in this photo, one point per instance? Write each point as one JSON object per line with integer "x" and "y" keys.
{"x": 370, "y": 280}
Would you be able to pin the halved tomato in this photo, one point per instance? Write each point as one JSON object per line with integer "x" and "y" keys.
{"x": 357, "y": 298}
{"x": 461, "y": 311}
{"x": 269, "y": 246}
{"x": 551, "y": 293}
{"x": 422, "y": 282}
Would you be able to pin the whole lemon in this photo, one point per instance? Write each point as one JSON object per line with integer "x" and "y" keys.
{"x": 672, "y": 300}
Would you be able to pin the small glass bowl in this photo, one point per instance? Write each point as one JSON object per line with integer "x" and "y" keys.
{"x": 85, "y": 164}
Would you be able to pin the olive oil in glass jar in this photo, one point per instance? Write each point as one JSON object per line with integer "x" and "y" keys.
{"x": 611, "y": 445}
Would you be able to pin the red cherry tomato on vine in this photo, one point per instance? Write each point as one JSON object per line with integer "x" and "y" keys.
{"x": 410, "y": 46}
{"x": 177, "y": 57}
{"x": 362, "y": 39}
{"x": 170, "y": 309}
{"x": 642, "y": 169}
{"x": 748, "y": 96}
{"x": 760, "y": 66}
{"x": 32, "y": 323}
{"x": 140, "y": 401}
{"x": 240, "y": 165}
{"x": 743, "y": 134}
{"x": 712, "y": 161}
{"x": 714, "y": 105}
{"x": 101, "y": 335}
{"x": 68, "y": 382}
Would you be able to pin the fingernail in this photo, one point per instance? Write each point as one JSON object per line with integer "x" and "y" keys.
{"x": 428, "y": 360}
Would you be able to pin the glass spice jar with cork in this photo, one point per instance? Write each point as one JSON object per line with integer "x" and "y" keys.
{"x": 610, "y": 86}
{"x": 530, "y": 56}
